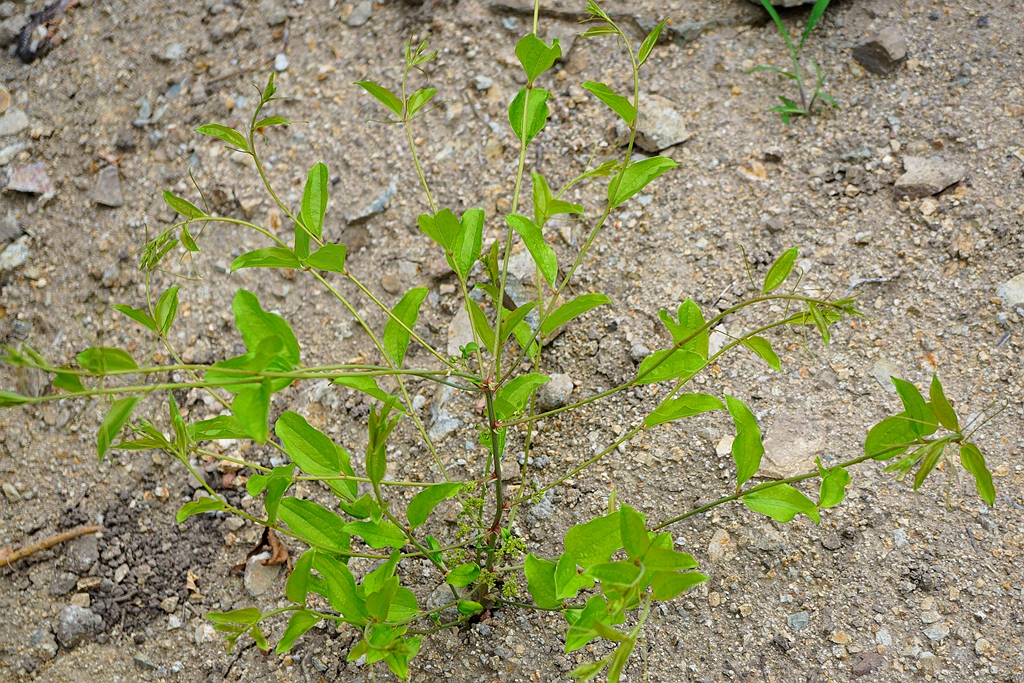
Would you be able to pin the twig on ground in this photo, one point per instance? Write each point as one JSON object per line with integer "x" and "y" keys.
{"x": 871, "y": 281}
{"x": 8, "y": 556}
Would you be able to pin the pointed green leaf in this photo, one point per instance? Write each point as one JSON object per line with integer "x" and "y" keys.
{"x": 668, "y": 585}
{"x": 426, "y": 500}
{"x": 542, "y": 253}
{"x": 636, "y": 177}
{"x": 668, "y": 364}
{"x": 420, "y": 98}
{"x": 540, "y": 580}
{"x": 746, "y": 447}
{"x": 299, "y": 623}
{"x": 921, "y": 416}
{"x": 944, "y": 412}
{"x": 196, "y": 507}
{"x": 782, "y": 503}
{"x": 383, "y": 95}
{"x": 536, "y": 56}
{"x": 101, "y": 360}
{"x": 619, "y": 104}
{"x": 763, "y": 348}
{"x": 974, "y": 462}
{"x": 183, "y": 206}
{"x": 595, "y": 541}
{"x": 686, "y": 405}
{"x": 649, "y": 42}
{"x": 378, "y": 534}
{"x": 314, "y": 200}
{"x": 780, "y": 270}
{"x": 111, "y": 426}
{"x": 330, "y": 257}
{"x": 252, "y": 408}
{"x": 228, "y": 135}
{"x": 468, "y": 242}
{"x": 315, "y": 524}
{"x": 572, "y": 309}
{"x": 833, "y": 486}
{"x": 633, "y": 532}
{"x": 463, "y": 575}
{"x": 138, "y": 315}
{"x": 271, "y": 257}
{"x": 396, "y": 337}
{"x": 536, "y": 113}
{"x": 255, "y": 324}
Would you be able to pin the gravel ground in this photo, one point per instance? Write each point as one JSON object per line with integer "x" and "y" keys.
{"x": 891, "y": 586}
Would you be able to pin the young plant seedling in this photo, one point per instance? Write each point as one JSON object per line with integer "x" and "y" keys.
{"x": 788, "y": 107}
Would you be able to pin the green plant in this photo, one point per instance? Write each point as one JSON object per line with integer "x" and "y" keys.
{"x": 620, "y": 562}
{"x": 806, "y": 106}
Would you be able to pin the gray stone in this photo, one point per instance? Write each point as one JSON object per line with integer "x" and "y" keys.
{"x": 273, "y": 12}
{"x": 10, "y": 490}
{"x": 7, "y": 153}
{"x": 483, "y": 82}
{"x": 882, "y": 52}
{"x": 719, "y": 545}
{"x": 144, "y": 662}
{"x": 441, "y": 596}
{"x": 929, "y": 616}
{"x": 460, "y": 332}
{"x": 638, "y": 352}
{"x": 170, "y": 53}
{"x": 899, "y": 538}
{"x": 31, "y": 179}
{"x": 832, "y": 542}
{"x": 556, "y": 393}
{"x": 926, "y": 176}
{"x": 281, "y": 62}
{"x": 930, "y": 664}
{"x": 360, "y": 14}
{"x": 107, "y": 190}
{"x": 259, "y": 578}
{"x": 883, "y": 371}
{"x": 77, "y": 624}
{"x": 542, "y": 510}
{"x": 43, "y": 644}
{"x": 661, "y": 125}
{"x": 82, "y": 553}
{"x": 62, "y": 584}
{"x": 937, "y": 631}
{"x": 867, "y": 662}
{"x": 1012, "y": 292}
{"x": 13, "y": 122}
{"x": 362, "y": 212}
{"x": 790, "y": 449}
{"x": 7, "y": 10}
{"x": 226, "y": 27}
{"x": 883, "y": 637}
{"x": 798, "y": 620}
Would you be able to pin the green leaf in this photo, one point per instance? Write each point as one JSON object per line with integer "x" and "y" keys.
{"x": 686, "y": 405}
{"x": 619, "y": 104}
{"x": 572, "y": 309}
{"x": 536, "y": 113}
{"x": 468, "y": 242}
{"x": 594, "y": 541}
{"x": 367, "y": 385}
{"x": 763, "y": 348}
{"x": 820, "y": 322}
{"x": 812, "y": 21}
{"x": 167, "y": 309}
{"x": 782, "y": 503}
{"x": 588, "y": 670}
{"x": 691, "y": 325}
{"x": 312, "y": 450}
{"x": 619, "y": 659}
{"x": 568, "y": 580}
{"x": 317, "y": 525}
{"x": 255, "y": 325}
{"x": 780, "y": 270}
{"x": 252, "y": 408}
{"x": 636, "y": 177}
{"x": 974, "y": 462}
{"x": 469, "y": 607}
{"x": 515, "y": 318}
{"x": 272, "y": 121}
{"x": 668, "y": 585}
{"x": 101, "y": 360}
{"x": 341, "y": 588}
{"x": 403, "y": 605}
{"x": 615, "y": 573}
{"x": 944, "y": 412}
{"x": 833, "y": 486}
{"x": 299, "y": 623}
{"x": 242, "y": 617}
{"x": 314, "y": 200}
{"x": 220, "y": 427}
{"x": 595, "y": 31}
{"x": 668, "y": 364}
{"x": 649, "y": 42}
{"x": 111, "y": 426}
{"x": 542, "y": 253}
{"x": 932, "y": 457}
{"x": 396, "y": 337}
{"x": 420, "y": 98}
{"x": 187, "y": 240}
{"x": 298, "y": 581}
{"x": 183, "y": 206}
{"x": 373, "y": 581}
{"x": 884, "y": 440}
{"x": 383, "y": 95}
{"x": 378, "y": 534}
{"x": 921, "y": 416}
{"x": 480, "y": 324}
{"x": 228, "y": 135}
{"x": 746, "y": 447}
{"x": 426, "y": 500}
{"x": 68, "y": 382}
{"x": 330, "y": 257}
{"x": 271, "y": 257}
{"x": 138, "y": 315}
{"x": 536, "y": 56}
{"x": 667, "y": 559}
{"x": 463, "y": 575}
{"x": 581, "y": 629}
{"x": 511, "y": 399}
{"x": 540, "y": 580}
{"x": 379, "y": 602}
{"x": 196, "y": 507}
{"x": 633, "y": 532}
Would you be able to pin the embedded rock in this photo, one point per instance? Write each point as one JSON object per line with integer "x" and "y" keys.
{"x": 926, "y": 176}
{"x": 882, "y": 52}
